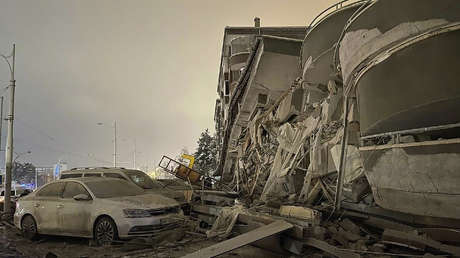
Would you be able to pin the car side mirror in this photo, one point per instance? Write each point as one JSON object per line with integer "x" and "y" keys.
{"x": 82, "y": 197}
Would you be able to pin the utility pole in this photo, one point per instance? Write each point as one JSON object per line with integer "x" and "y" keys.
{"x": 115, "y": 143}
{"x": 9, "y": 140}
{"x": 36, "y": 178}
{"x": 1, "y": 119}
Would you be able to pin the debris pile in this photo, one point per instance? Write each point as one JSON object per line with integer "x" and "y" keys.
{"x": 304, "y": 231}
{"x": 301, "y": 141}
{"x": 369, "y": 152}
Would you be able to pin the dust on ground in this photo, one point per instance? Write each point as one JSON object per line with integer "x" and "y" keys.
{"x": 174, "y": 243}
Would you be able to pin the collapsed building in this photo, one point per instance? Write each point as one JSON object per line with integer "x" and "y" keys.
{"x": 340, "y": 137}
{"x": 355, "y": 112}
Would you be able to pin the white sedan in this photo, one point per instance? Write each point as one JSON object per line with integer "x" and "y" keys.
{"x": 101, "y": 208}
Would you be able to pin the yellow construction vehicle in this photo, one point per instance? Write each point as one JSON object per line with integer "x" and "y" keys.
{"x": 190, "y": 158}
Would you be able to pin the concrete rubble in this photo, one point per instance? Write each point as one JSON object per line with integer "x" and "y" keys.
{"x": 300, "y": 143}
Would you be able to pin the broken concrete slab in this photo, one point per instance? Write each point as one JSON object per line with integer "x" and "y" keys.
{"x": 241, "y": 240}
{"x": 418, "y": 190}
{"x": 291, "y": 106}
{"x": 354, "y": 167}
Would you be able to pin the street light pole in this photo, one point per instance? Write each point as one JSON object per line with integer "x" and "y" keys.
{"x": 9, "y": 140}
{"x": 115, "y": 143}
{"x": 134, "y": 156}
{"x": 1, "y": 120}
{"x": 36, "y": 179}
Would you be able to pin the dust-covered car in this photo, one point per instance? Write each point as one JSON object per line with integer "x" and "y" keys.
{"x": 137, "y": 177}
{"x": 15, "y": 194}
{"x": 101, "y": 208}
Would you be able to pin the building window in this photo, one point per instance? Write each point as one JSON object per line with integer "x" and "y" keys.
{"x": 227, "y": 88}
{"x": 262, "y": 99}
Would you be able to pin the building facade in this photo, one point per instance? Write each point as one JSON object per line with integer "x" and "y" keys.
{"x": 257, "y": 65}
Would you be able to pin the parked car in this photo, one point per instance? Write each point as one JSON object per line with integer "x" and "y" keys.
{"x": 137, "y": 177}
{"x": 16, "y": 192}
{"x": 101, "y": 208}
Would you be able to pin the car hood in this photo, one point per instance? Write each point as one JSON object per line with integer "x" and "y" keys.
{"x": 145, "y": 201}
{"x": 176, "y": 195}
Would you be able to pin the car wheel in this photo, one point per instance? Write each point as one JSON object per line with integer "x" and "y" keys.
{"x": 29, "y": 227}
{"x": 105, "y": 231}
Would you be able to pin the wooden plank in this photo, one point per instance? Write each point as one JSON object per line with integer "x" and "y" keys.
{"x": 271, "y": 243}
{"x": 296, "y": 231}
{"x": 241, "y": 240}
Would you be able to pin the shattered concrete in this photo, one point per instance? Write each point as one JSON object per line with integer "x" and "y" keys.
{"x": 293, "y": 149}
{"x": 347, "y": 133}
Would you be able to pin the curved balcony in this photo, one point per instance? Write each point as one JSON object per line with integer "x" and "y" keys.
{"x": 318, "y": 45}
{"x": 241, "y": 44}
{"x": 238, "y": 61}
{"x": 400, "y": 58}
{"x": 413, "y": 87}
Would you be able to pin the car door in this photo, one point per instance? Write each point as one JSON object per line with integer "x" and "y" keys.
{"x": 74, "y": 216}
{"x": 46, "y": 204}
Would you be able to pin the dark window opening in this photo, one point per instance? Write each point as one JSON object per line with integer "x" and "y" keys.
{"x": 262, "y": 99}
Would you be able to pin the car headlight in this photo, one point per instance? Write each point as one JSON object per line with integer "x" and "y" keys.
{"x": 136, "y": 213}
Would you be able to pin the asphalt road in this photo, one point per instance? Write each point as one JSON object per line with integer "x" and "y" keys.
{"x": 170, "y": 244}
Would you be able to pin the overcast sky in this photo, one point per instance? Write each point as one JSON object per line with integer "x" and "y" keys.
{"x": 150, "y": 65}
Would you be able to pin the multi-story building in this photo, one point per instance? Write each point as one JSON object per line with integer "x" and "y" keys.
{"x": 360, "y": 113}
{"x": 257, "y": 65}
{"x": 43, "y": 175}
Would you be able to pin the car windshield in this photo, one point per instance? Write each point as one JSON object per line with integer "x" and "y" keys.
{"x": 113, "y": 188}
{"x": 141, "y": 179}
